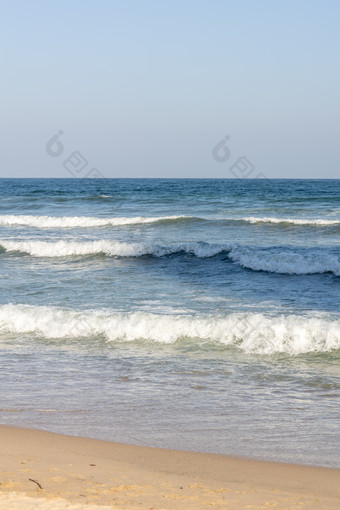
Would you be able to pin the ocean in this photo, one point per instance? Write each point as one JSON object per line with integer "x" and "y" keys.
{"x": 194, "y": 314}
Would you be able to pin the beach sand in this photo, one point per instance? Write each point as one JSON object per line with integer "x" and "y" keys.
{"x": 77, "y": 473}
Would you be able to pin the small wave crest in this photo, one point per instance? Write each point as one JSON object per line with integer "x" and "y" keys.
{"x": 286, "y": 260}
{"x": 278, "y": 259}
{"x": 292, "y": 221}
{"x": 109, "y": 248}
{"x": 93, "y": 222}
{"x": 252, "y": 333}
{"x": 82, "y": 221}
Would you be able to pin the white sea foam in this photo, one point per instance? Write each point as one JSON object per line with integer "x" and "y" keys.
{"x": 287, "y": 261}
{"x": 80, "y": 221}
{"x": 74, "y": 248}
{"x": 109, "y": 248}
{"x": 275, "y": 260}
{"x": 293, "y": 221}
{"x": 92, "y": 222}
{"x": 252, "y": 332}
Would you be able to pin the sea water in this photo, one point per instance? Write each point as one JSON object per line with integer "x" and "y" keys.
{"x": 196, "y": 314}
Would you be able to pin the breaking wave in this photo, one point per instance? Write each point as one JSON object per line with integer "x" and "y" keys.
{"x": 109, "y": 248}
{"x": 292, "y": 221}
{"x": 282, "y": 260}
{"x": 80, "y": 221}
{"x": 286, "y": 260}
{"x": 251, "y": 333}
{"x": 92, "y": 222}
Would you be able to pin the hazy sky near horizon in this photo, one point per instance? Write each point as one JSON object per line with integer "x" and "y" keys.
{"x": 147, "y": 88}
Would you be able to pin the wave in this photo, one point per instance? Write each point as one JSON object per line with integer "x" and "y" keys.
{"x": 81, "y": 221}
{"x": 281, "y": 260}
{"x": 284, "y": 260}
{"x": 252, "y": 332}
{"x": 92, "y": 222}
{"x": 292, "y": 221}
{"x": 109, "y": 248}
{"x": 275, "y": 260}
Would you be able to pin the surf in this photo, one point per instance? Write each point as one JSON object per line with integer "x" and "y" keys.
{"x": 82, "y": 221}
{"x": 276, "y": 259}
{"x": 253, "y": 333}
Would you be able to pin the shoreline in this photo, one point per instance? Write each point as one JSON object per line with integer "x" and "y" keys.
{"x": 88, "y": 472}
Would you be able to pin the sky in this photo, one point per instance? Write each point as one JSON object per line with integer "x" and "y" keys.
{"x": 204, "y": 88}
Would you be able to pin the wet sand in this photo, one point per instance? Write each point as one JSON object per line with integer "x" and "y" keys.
{"x": 42, "y": 470}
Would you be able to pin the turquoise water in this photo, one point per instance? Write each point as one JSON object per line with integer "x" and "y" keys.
{"x": 192, "y": 314}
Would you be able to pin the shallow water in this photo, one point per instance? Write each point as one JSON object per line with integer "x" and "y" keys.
{"x": 190, "y": 314}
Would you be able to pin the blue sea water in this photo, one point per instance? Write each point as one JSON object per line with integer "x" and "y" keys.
{"x": 198, "y": 314}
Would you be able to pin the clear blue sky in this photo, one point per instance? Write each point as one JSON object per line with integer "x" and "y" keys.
{"x": 148, "y": 88}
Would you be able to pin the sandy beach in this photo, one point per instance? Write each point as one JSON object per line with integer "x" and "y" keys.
{"x": 43, "y": 470}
